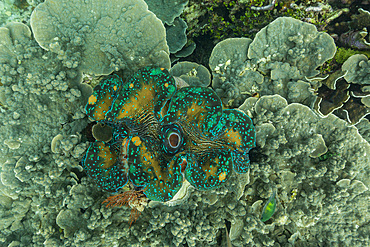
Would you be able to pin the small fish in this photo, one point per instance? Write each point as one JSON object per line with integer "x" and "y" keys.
{"x": 269, "y": 208}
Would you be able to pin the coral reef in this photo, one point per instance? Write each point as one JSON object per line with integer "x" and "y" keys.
{"x": 99, "y": 40}
{"x": 40, "y": 99}
{"x": 192, "y": 73}
{"x": 339, "y": 91}
{"x": 176, "y": 35}
{"x": 277, "y": 61}
{"x": 317, "y": 166}
{"x": 358, "y": 67}
{"x": 167, "y": 10}
{"x": 243, "y": 18}
{"x": 288, "y": 135}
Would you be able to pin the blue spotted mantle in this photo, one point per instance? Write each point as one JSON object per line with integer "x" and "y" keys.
{"x": 163, "y": 135}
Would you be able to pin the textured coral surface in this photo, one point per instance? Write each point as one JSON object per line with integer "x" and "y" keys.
{"x": 316, "y": 168}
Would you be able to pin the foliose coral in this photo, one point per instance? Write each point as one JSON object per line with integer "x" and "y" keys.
{"x": 333, "y": 96}
{"x": 192, "y": 73}
{"x": 176, "y": 35}
{"x": 39, "y": 100}
{"x": 100, "y": 37}
{"x": 320, "y": 200}
{"x": 287, "y": 40}
{"x": 21, "y": 78}
{"x": 277, "y": 61}
{"x": 358, "y": 67}
{"x": 341, "y": 93}
{"x": 167, "y": 10}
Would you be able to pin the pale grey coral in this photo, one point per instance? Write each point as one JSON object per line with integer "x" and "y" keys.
{"x": 16, "y": 10}
{"x": 277, "y": 61}
{"x": 192, "y": 73}
{"x": 47, "y": 181}
{"x": 100, "y": 37}
{"x": 318, "y": 208}
{"x": 167, "y": 10}
{"x": 38, "y": 97}
{"x": 187, "y": 50}
{"x": 176, "y": 35}
{"x": 29, "y": 76}
{"x": 364, "y": 129}
{"x": 296, "y": 43}
{"x": 234, "y": 77}
{"x": 358, "y": 69}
